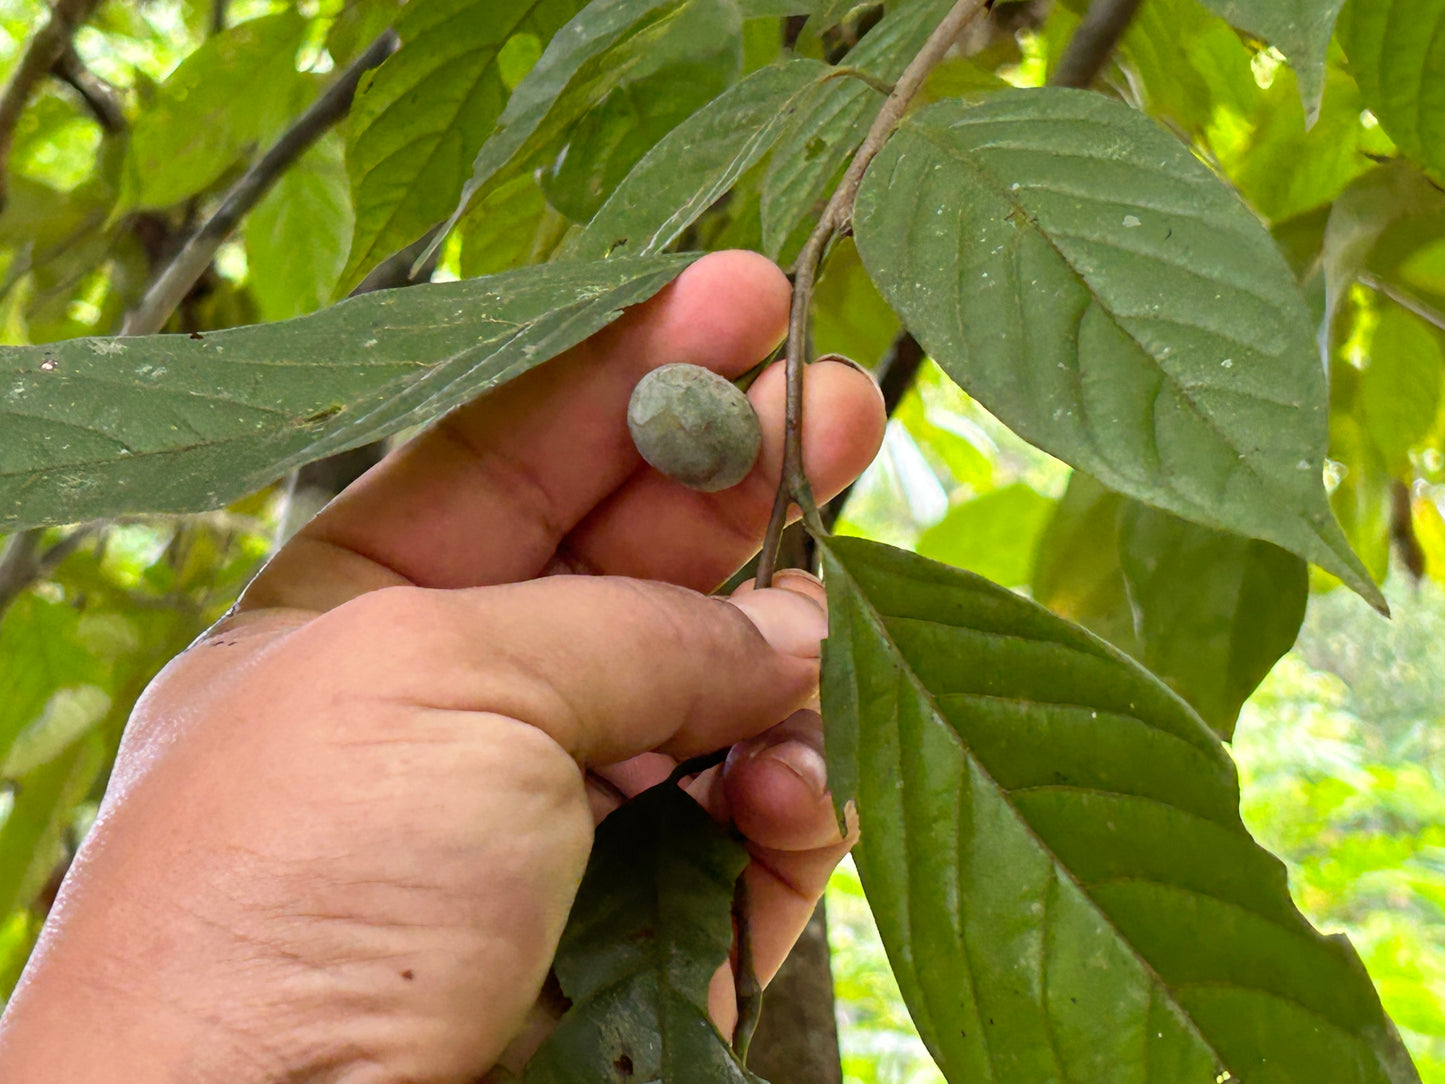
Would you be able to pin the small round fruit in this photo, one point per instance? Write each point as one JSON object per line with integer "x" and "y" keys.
{"x": 694, "y": 426}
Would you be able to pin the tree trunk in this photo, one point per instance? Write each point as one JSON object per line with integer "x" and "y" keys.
{"x": 797, "y": 1037}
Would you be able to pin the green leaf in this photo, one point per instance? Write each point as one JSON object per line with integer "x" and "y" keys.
{"x": 32, "y": 835}
{"x": 705, "y": 58}
{"x": 100, "y": 427}
{"x": 827, "y": 129}
{"x": 993, "y": 534}
{"x": 296, "y": 236}
{"x": 1400, "y": 389}
{"x": 1097, "y": 289}
{"x": 1396, "y": 53}
{"x": 1052, "y": 847}
{"x": 849, "y": 316}
{"x": 47, "y": 663}
{"x": 608, "y": 44}
{"x": 511, "y": 227}
{"x": 238, "y": 85}
{"x": 1213, "y": 611}
{"x": 697, "y": 162}
{"x": 1077, "y": 573}
{"x": 426, "y": 111}
{"x": 1300, "y": 29}
{"x": 651, "y": 924}
{"x": 357, "y": 25}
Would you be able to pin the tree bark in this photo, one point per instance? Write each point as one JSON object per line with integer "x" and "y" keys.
{"x": 797, "y": 1037}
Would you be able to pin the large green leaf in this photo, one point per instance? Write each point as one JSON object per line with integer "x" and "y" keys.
{"x": 1397, "y": 53}
{"x": 609, "y": 43}
{"x": 698, "y": 161}
{"x": 993, "y": 535}
{"x": 828, "y": 128}
{"x": 417, "y": 123}
{"x": 32, "y": 834}
{"x": 1213, "y": 611}
{"x": 704, "y": 58}
{"x": 1300, "y": 29}
{"x": 99, "y": 427}
{"x": 296, "y": 236}
{"x": 651, "y": 924}
{"x": 1400, "y": 389}
{"x": 1092, "y": 284}
{"x": 1076, "y": 565}
{"x": 236, "y": 86}
{"x": 1052, "y": 847}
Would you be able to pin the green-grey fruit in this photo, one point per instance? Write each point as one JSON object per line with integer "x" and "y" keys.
{"x": 694, "y": 426}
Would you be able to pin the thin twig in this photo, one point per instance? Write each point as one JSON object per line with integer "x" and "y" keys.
{"x": 22, "y": 563}
{"x": 195, "y": 255}
{"x": 836, "y": 217}
{"x": 100, "y": 97}
{"x": 50, "y": 41}
{"x": 1094, "y": 42}
{"x": 1405, "y": 300}
{"x": 746, "y": 987}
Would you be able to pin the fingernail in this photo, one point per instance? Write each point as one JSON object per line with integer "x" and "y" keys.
{"x": 839, "y": 359}
{"x": 803, "y": 761}
{"x": 788, "y": 616}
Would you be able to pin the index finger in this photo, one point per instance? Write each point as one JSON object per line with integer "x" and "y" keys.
{"x": 485, "y": 496}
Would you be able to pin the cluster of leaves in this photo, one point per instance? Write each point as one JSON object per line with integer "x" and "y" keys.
{"x": 1142, "y": 281}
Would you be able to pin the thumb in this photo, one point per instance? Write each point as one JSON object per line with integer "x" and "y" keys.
{"x": 609, "y": 667}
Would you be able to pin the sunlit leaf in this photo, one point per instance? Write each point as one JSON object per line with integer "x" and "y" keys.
{"x": 418, "y": 121}
{"x": 98, "y": 427}
{"x": 1300, "y": 29}
{"x": 1051, "y": 844}
{"x": 511, "y": 227}
{"x": 1401, "y": 386}
{"x": 697, "y": 162}
{"x": 296, "y": 237}
{"x": 236, "y": 86}
{"x": 993, "y": 535}
{"x": 1094, "y": 286}
{"x": 1213, "y": 611}
{"x": 32, "y": 835}
{"x": 1396, "y": 52}
{"x": 651, "y": 923}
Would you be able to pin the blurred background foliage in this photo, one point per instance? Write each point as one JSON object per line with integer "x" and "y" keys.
{"x": 149, "y": 118}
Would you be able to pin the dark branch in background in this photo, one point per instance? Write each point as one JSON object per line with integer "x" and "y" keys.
{"x": 1093, "y": 42}
{"x": 218, "y": 16}
{"x": 837, "y": 216}
{"x": 195, "y": 255}
{"x": 23, "y": 561}
{"x": 99, "y": 96}
{"x": 1402, "y": 530}
{"x": 399, "y": 269}
{"x": 49, "y": 43}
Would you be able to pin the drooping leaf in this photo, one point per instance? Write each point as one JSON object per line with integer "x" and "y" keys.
{"x": 697, "y": 162}
{"x": 417, "y": 123}
{"x": 296, "y": 238}
{"x": 98, "y": 427}
{"x": 993, "y": 535}
{"x": 1401, "y": 387}
{"x": 1093, "y": 285}
{"x": 236, "y": 86}
{"x": 1397, "y": 55}
{"x": 1361, "y": 497}
{"x": 609, "y": 43}
{"x": 651, "y": 923}
{"x": 828, "y": 127}
{"x": 704, "y": 58}
{"x": 1300, "y": 29}
{"x": 1052, "y": 847}
{"x": 1076, "y": 571}
{"x": 849, "y": 316}
{"x": 1213, "y": 611}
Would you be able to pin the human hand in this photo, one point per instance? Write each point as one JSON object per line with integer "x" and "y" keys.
{"x": 345, "y": 828}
